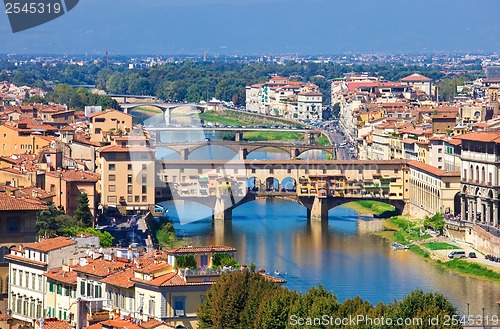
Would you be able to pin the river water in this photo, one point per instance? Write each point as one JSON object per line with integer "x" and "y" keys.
{"x": 340, "y": 253}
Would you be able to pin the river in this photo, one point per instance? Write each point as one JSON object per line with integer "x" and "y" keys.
{"x": 340, "y": 254}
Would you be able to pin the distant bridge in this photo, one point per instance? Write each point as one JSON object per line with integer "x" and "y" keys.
{"x": 124, "y": 96}
{"x": 319, "y": 185}
{"x": 244, "y": 148}
{"x": 167, "y": 108}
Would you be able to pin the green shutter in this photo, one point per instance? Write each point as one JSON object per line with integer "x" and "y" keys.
{"x": 51, "y": 286}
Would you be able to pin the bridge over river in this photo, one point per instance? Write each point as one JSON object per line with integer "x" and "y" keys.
{"x": 319, "y": 185}
{"x": 294, "y": 150}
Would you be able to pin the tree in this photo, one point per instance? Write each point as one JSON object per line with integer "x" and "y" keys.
{"x": 420, "y": 305}
{"x": 105, "y": 238}
{"x": 46, "y": 224}
{"x": 82, "y": 212}
{"x": 234, "y": 301}
{"x": 223, "y": 259}
{"x": 186, "y": 261}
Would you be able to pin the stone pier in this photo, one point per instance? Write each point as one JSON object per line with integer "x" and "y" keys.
{"x": 223, "y": 209}
{"x": 319, "y": 209}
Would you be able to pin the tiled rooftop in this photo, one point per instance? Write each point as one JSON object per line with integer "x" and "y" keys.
{"x": 50, "y": 244}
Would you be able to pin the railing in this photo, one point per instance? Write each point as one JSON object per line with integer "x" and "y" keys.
{"x": 490, "y": 229}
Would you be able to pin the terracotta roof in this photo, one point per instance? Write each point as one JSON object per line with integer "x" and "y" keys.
{"x": 50, "y": 244}
{"x": 33, "y": 192}
{"x": 409, "y": 141}
{"x": 68, "y": 277}
{"x": 415, "y": 77}
{"x": 10, "y": 203}
{"x": 431, "y": 169}
{"x": 107, "y": 112}
{"x": 154, "y": 267}
{"x": 115, "y": 324}
{"x": 121, "y": 279}
{"x": 190, "y": 250}
{"x": 150, "y": 324}
{"x": 25, "y": 260}
{"x": 171, "y": 280}
{"x": 488, "y": 137}
{"x": 75, "y": 175}
{"x": 123, "y": 149}
{"x": 54, "y": 323}
{"x": 87, "y": 142}
{"x": 101, "y": 267}
{"x": 310, "y": 93}
{"x": 455, "y": 141}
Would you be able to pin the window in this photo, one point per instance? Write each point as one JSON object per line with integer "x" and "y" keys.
{"x": 111, "y": 178}
{"x": 179, "y": 306}
{"x": 129, "y": 167}
{"x": 111, "y": 166}
{"x": 129, "y": 179}
{"x": 130, "y": 190}
{"x": 129, "y": 198}
{"x": 59, "y": 289}
{"x": 144, "y": 189}
{"x": 112, "y": 188}
{"x": 447, "y": 184}
{"x": 136, "y": 198}
{"x": 440, "y": 150}
{"x": 51, "y": 286}
{"x": 144, "y": 166}
{"x": 111, "y": 198}
{"x": 13, "y": 223}
{"x": 152, "y": 305}
{"x": 144, "y": 179}
{"x": 144, "y": 198}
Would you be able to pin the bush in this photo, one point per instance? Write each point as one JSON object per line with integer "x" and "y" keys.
{"x": 187, "y": 261}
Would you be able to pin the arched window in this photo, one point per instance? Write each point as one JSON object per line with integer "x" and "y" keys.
{"x": 471, "y": 172}
{"x": 483, "y": 175}
{"x": 477, "y": 174}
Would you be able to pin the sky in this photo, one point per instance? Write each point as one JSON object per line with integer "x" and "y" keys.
{"x": 255, "y": 27}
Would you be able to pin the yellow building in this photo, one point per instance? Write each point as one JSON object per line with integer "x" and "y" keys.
{"x": 127, "y": 174}
{"x": 67, "y": 185}
{"x": 108, "y": 121}
{"x": 19, "y": 138}
{"x": 433, "y": 190}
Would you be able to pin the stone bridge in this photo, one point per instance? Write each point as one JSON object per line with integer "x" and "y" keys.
{"x": 294, "y": 150}
{"x": 319, "y": 185}
{"x": 167, "y": 108}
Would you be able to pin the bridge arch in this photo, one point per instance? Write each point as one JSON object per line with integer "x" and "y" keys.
{"x": 252, "y": 151}
{"x": 305, "y": 153}
{"x": 254, "y": 183}
{"x": 289, "y": 184}
{"x": 272, "y": 184}
{"x": 212, "y": 152}
{"x": 166, "y": 153}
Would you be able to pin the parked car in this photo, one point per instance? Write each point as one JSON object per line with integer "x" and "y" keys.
{"x": 472, "y": 254}
{"x": 457, "y": 254}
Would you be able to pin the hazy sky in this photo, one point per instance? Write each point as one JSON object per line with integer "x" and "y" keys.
{"x": 263, "y": 27}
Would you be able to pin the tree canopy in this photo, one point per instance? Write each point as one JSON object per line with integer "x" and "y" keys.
{"x": 248, "y": 300}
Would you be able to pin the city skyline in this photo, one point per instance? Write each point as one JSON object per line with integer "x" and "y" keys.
{"x": 255, "y": 27}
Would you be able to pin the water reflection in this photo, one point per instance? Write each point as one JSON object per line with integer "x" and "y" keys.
{"x": 337, "y": 253}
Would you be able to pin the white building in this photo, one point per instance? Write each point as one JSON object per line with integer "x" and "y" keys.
{"x": 309, "y": 105}
{"x": 418, "y": 82}
{"x": 27, "y": 266}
